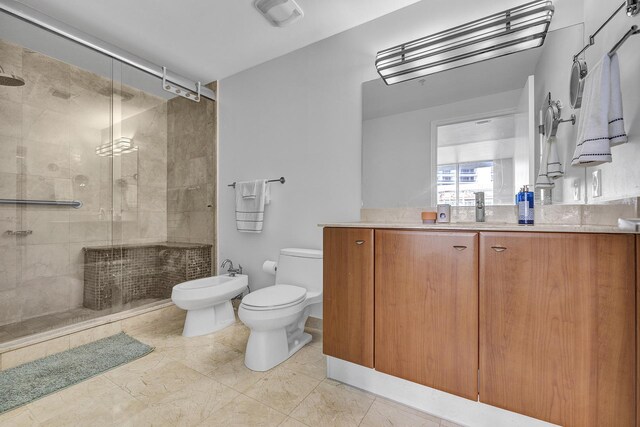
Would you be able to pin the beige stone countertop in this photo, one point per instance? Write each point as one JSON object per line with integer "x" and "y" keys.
{"x": 485, "y": 226}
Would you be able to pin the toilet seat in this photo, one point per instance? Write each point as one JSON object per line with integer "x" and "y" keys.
{"x": 274, "y": 298}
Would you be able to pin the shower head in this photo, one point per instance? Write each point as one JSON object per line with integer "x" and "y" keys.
{"x": 7, "y": 79}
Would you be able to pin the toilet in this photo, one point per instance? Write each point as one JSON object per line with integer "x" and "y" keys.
{"x": 276, "y": 315}
{"x": 208, "y": 302}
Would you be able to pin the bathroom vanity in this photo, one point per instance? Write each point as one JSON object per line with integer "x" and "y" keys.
{"x": 540, "y": 321}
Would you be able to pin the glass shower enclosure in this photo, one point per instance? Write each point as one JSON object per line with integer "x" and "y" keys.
{"x": 101, "y": 208}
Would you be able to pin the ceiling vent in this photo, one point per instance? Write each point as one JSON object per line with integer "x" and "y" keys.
{"x": 279, "y": 13}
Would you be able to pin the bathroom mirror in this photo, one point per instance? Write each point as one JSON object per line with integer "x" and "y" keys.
{"x": 440, "y": 138}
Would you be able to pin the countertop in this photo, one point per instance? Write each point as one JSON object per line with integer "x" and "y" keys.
{"x": 486, "y": 226}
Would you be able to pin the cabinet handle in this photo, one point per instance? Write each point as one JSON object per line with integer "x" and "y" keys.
{"x": 499, "y": 248}
{"x": 459, "y": 247}
{"x": 359, "y": 242}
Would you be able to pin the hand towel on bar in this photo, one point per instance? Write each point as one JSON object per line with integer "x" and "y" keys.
{"x": 267, "y": 194}
{"x": 554, "y": 167}
{"x": 250, "y": 211}
{"x": 248, "y": 189}
{"x": 601, "y": 124}
{"x": 543, "y": 181}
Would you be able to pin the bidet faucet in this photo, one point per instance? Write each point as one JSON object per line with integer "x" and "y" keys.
{"x": 480, "y": 214}
{"x": 232, "y": 271}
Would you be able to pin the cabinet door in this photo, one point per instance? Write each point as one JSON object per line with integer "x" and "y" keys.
{"x": 426, "y": 322}
{"x": 348, "y": 294}
{"x": 557, "y": 326}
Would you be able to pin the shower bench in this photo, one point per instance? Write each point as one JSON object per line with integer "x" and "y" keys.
{"x": 116, "y": 275}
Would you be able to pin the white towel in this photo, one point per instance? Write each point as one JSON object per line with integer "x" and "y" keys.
{"x": 554, "y": 166}
{"x": 601, "y": 124}
{"x": 617, "y": 134}
{"x": 250, "y": 211}
{"x": 543, "y": 181}
{"x": 248, "y": 189}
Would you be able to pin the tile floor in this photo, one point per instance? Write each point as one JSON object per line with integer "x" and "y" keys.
{"x": 202, "y": 381}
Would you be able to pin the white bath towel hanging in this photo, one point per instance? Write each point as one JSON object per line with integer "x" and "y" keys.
{"x": 248, "y": 189}
{"x": 250, "y": 210}
{"x": 617, "y": 134}
{"x": 554, "y": 166}
{"x": 543, "y": 180}
{"x": 601, "y": 124}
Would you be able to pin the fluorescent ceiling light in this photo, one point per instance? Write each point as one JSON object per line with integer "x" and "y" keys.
{"x": 514, "y": 30}
{"x": 279, "y": 12}
{"x": 118, "y": 147}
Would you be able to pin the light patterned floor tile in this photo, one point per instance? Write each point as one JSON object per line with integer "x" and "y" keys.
{"x": 290, "y": 422}
{"x": 310, "y": 361}
{"x": 110, "y": 409}
{"x": 316, "y": 337}
{"x": 234, "y": 336}
{"x": 82, "y": 394}
{"x": 282, "y": 389}
{"x": 18, "y": 418}
{"x": 244, "y": 411}
{"x": 195, "y": 403}
{"x": 151, "y": 379}
{"x": 333, "y": 404}
{"x": 383, "y": 415}
{"x": 203, "y": 359}
{"x": 408, "y": 409}
{"x": 236, "y": 375}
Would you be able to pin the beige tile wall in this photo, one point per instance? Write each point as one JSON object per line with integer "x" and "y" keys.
{"x": 191, "y": 178}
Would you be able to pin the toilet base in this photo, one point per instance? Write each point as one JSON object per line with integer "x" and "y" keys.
{"x": 208, "y": 320}
{"x": 267, "y": 349}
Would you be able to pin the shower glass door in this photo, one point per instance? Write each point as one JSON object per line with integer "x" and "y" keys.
{"x": 91, "y": 131}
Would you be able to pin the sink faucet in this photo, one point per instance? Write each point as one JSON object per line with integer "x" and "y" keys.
{"x": 480, "y": 206}
{"x": 232, "y": 271}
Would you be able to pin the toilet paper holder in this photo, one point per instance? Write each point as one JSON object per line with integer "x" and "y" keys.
{"x": 270, "y": 267}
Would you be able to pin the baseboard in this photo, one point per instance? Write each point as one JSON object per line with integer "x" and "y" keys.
{"x": 432, "y": 401}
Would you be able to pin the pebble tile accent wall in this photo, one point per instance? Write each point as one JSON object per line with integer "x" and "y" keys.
{"x": 125, "y": 273}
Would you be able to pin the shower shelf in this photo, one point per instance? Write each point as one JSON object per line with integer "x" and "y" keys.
{"x": 73, "y": 203}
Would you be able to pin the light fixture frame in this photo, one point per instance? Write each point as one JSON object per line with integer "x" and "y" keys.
{"x": 513, "y": 30}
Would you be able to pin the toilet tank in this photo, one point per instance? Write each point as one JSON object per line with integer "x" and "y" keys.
{"x": 300, "y": 267}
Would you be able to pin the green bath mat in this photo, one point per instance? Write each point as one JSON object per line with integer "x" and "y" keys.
{"x": 33, "y": 380}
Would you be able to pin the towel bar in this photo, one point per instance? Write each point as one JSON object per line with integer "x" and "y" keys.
{"x": 281, "y": 180}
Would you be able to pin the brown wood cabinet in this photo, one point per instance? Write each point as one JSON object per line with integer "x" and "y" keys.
{"x": 348, "y": 294}
{"x": 557, "y": 326}
{"x": 426, "y": 308}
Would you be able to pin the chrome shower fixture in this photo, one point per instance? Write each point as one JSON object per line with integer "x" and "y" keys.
{"x": 513, "y": 30}
{"x": 185, "y": 93}
{"x": 118, "y": 147}
{"x": 7, "y": 79}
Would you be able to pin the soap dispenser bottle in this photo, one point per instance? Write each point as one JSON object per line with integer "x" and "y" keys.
{"x": 526, "y": 212}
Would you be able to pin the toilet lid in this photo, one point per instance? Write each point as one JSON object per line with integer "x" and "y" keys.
{"x": 275, "y": 296}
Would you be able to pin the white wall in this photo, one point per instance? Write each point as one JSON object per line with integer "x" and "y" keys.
{"x": 397, "y": 150}
{"x": 553, "y": 73}
{"x": 300, "y": 116}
